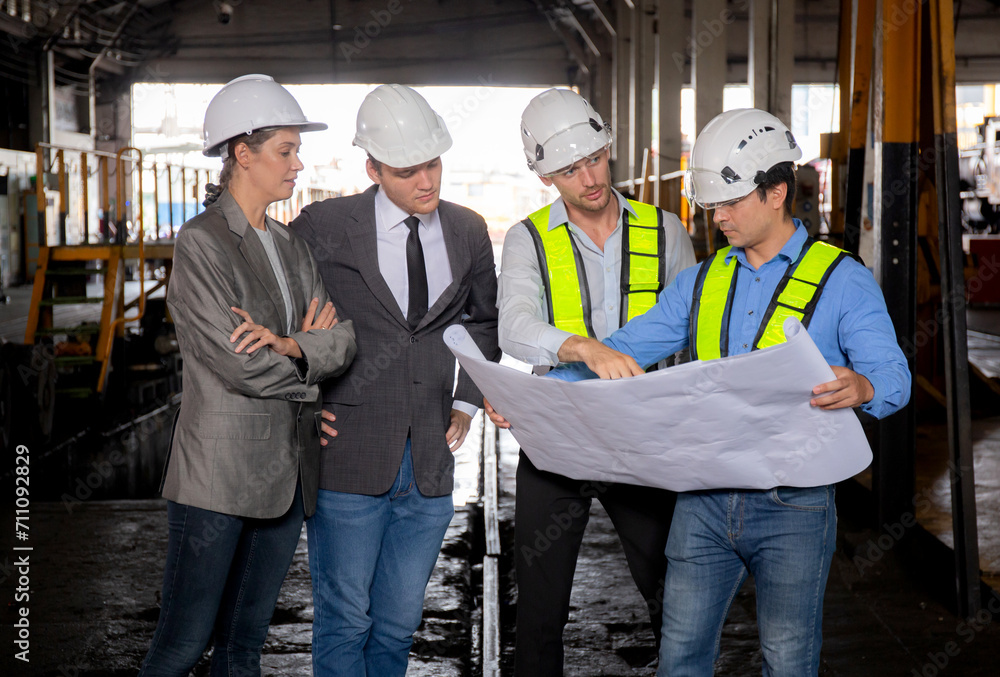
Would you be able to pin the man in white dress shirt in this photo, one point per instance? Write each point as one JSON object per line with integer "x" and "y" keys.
{"x": 405, "y": 266}
{"x": 581, "y": 266}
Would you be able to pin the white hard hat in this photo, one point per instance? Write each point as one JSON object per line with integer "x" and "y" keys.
{"x": 733, "y": 152}
{"x": 398, "y": 127}
{"x": 559, "y": 127}
{"x": 248, "y": 103}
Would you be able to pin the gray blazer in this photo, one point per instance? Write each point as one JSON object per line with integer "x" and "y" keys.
{"x": 402, "y": 381}
{"x": 248, "y": 425}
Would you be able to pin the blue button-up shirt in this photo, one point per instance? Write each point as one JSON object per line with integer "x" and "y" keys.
{"x": 850, "y": 326}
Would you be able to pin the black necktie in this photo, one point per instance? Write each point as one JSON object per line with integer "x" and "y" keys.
{"x": 417, "y": 273}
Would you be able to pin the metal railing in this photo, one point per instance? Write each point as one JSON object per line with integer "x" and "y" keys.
{"x": 120, "y": 202}
{"x": 489, "y": 462}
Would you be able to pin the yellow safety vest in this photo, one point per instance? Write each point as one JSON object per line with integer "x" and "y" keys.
{"x": 796, "y": 296}
{"x": 561, "y": 263}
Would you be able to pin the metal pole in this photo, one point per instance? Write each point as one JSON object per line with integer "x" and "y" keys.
{"x": 40, "y": 194}
{"x": 897, "y": 131}
{"x": 85, "y": 194}
{"x": 491, "y": 568}
{"x": 839, "y": 141}
{"x": 156, "y": 202}
{"x": 858, "y": 126}
{"x": 183, "y": 196}
{"x": 105, "y": 198}
{"x": 63, "y": 196}
{"x": 170, "y": 200}
{"x": 956, "y": 350}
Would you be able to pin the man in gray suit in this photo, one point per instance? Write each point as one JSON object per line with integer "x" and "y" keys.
{"x": 404, "y": 266}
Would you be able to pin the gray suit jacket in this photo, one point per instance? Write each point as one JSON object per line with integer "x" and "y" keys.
{"x": 248, "y": 424}
{"x": 402, "y": 381}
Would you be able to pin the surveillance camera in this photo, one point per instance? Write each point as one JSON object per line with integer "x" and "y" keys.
{"x": 225, "y": 12}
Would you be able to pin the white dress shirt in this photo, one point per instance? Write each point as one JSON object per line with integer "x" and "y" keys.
{"x": 525, "y": 332}
{"x": 392, "y": 234}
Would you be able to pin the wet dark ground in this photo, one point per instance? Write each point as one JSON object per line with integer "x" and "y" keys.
{"x": 95, "y": 572}
{"x": 881, "y": 618}
{"x": 95, "y": 591}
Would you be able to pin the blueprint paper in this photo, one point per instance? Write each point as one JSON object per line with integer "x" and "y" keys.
{"x": 739, "y": 422}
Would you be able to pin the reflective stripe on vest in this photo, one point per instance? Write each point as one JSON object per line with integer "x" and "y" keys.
{"x": 795, "y": 296}
{"x": 560, "y": 261}
{"x": 643, "y": 260}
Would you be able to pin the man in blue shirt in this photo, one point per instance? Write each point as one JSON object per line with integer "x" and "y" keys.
{"x": 741, "y": 167}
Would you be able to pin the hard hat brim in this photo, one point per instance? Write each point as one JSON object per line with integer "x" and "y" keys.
{"x": 216, "y": 150}
{"x": 709, "y": 189}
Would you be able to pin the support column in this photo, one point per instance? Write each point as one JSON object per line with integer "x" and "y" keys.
{"x": 896, "y": 126}
{"x": 113, "y": 122}
{"x": 603, "y": 97}
{"x": 771, "y": 56}
{"x": 783, "y": 60}
{"x": 113, "y": 127}
{"x": 669, "y": 82}
{"x": 837, "y": 151}
{"x": 758, "y": 51}
{"x": 708, "y": 57}
{"x": 858, "y": 125}
{"x": 622, "y": 120}
{"x": 956, "y": 351}
{"x": 644, "y": 57}
{"x": 708, "y": 78}
{"x": 40, "y": 101}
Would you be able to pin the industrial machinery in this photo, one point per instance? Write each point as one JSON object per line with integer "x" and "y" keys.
{"x": 979, "y": 172}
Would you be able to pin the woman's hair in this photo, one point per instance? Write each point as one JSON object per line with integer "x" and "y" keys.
{"x": 254, "y": 141}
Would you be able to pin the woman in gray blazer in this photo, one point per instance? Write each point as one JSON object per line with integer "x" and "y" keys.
{"x": 257, "y": 333}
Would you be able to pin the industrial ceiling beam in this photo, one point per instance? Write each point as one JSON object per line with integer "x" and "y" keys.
{"x": 575, "y": 50}
{"x": 604, "y": 14}
{"x": 594, "y": 35}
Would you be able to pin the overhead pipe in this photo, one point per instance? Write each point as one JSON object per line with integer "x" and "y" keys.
{"x": 92, "y": 81}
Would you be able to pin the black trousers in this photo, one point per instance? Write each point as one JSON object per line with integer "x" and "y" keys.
{"x": 550, "y": 517}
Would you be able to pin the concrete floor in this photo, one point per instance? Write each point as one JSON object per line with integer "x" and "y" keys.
{"x": 934, "y": 489}
{"x": 878, "y": 620}
{"x": 95, "y": 577}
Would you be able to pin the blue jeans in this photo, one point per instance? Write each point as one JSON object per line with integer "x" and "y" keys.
{"x": 222, "y": 575}
{"x": 370, "y": 558}
{"x": 785, "y": 538}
